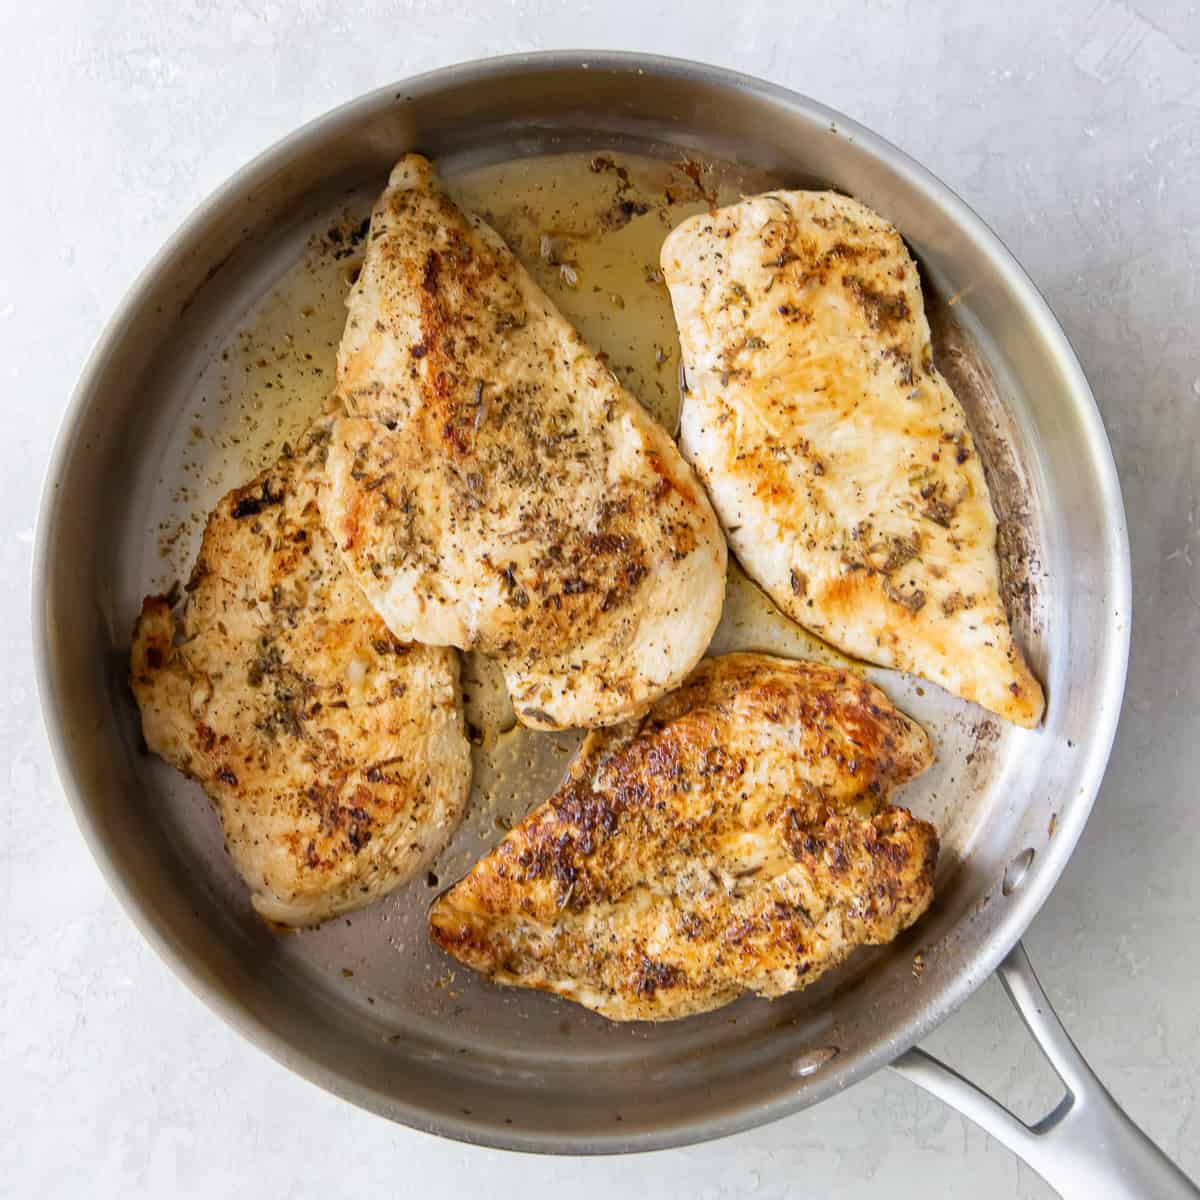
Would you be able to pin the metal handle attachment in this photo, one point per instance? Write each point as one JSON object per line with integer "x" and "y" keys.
{"x": 1087, "y": 1148}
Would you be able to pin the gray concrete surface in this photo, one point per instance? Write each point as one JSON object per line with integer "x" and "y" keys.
{"x": 1073, "y": 128}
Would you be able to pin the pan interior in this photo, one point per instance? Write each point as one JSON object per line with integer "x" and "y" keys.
{"x": 364, "y": 1005}
{"x": 573, "y": 217}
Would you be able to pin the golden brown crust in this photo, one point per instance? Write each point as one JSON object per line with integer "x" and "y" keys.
{"x": 736, "y": 838}
{"x": 334, "y": 754}
{"x": 496, "y": 488}
{"x": 837, "y": 457}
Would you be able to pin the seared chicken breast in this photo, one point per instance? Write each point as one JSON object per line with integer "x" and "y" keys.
{"x": 496, "y": 488}
{"x": 335, "y": 755}
{"x": 736, "y": 838}
{"x": 835, "y": 454}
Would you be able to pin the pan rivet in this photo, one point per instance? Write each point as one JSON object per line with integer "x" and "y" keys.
{"x": 1015, "y": 872}
{"x": 813, "y": 1060}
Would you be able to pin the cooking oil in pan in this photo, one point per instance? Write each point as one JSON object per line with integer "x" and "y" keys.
{"x": 589, "y": 228}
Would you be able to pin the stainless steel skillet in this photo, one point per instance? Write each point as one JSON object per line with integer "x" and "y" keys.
{"x": 364, "y": 1007}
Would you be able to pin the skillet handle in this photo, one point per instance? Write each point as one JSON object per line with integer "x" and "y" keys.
{"x": 1087, "y": 1148}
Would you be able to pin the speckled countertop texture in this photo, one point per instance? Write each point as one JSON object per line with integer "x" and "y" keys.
{"x": 1073, "y": 128}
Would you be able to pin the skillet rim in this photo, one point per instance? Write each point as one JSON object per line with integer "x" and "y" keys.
{"x": 1020, "y": 909}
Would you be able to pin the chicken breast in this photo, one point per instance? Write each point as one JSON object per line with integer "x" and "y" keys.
{"x": 835, "y": 454}
{"x": 334, "y": 754}
{"x": 736, "y": 839}
{"x": 496, "y": 488}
